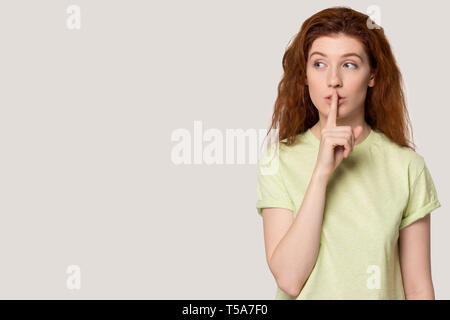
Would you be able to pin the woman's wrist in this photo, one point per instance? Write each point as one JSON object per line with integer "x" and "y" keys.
{"x": 320, "y": 174}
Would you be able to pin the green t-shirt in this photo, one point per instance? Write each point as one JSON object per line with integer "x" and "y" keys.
{"x": 378, "y": 190}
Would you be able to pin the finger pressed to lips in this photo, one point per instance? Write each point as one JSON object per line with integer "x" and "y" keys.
{"x": 331, "y": 121}
{"x": 329, "y": 97}
{"x": 341, "y": 100}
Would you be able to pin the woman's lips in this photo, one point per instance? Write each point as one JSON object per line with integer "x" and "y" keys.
{"x": 340, "y": 100}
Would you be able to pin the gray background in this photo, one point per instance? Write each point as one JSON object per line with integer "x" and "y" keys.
{"x": 86, "y": 118}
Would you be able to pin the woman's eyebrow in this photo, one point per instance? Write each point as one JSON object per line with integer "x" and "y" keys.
{"x": 344, "y": 55}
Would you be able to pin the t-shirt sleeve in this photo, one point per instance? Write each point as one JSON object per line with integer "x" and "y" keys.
{"x": 422, "y": 196}
{"x": 270, "y": 188}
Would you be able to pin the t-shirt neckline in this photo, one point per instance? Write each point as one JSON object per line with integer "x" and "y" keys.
{"x": 356, "y": 148}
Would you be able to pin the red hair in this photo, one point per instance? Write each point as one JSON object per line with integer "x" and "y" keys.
{"x": 385, "y": 106}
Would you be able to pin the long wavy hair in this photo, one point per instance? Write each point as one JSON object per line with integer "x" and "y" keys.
{"x": 385, "y": 104}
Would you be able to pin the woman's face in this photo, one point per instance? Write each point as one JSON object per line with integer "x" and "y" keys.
{"x": 329, "y": 69}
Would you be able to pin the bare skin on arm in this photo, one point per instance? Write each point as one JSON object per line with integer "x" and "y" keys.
{"x": 415, "y": 260}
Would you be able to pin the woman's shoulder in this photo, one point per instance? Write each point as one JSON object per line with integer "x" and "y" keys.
{"x": 410, "y": 157}
{"x": 279, "y": 151}
{"x": 300, "y": 140}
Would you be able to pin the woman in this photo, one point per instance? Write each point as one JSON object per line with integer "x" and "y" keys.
{"x": 345, "y": 213}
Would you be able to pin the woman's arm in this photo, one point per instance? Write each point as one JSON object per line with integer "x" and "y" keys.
{"x": 292, "y": 259}
{"x": 414, "y": 252}
{"x": 292, "y": 245}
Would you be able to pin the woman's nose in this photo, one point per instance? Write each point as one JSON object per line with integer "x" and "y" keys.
{"x": 334, "y": 79}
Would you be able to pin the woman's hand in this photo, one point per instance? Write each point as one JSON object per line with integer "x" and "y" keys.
{"x": 336, "y": 143}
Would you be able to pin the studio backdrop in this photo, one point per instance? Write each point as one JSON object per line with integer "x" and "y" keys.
{"x": 130, "y": 133}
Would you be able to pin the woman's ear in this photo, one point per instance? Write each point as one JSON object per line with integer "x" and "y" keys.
{"x": 371, "y": 80}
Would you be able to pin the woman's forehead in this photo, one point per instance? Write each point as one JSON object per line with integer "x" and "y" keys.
{"x": 336, "y": 46}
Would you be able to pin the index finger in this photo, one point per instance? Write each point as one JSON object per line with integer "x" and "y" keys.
{"x": 331, "y": 120}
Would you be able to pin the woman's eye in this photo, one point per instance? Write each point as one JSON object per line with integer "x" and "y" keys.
{"x": 354, "y": 66}
{"x": 349, "y": 63}
{"x": 315, "y": 63}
